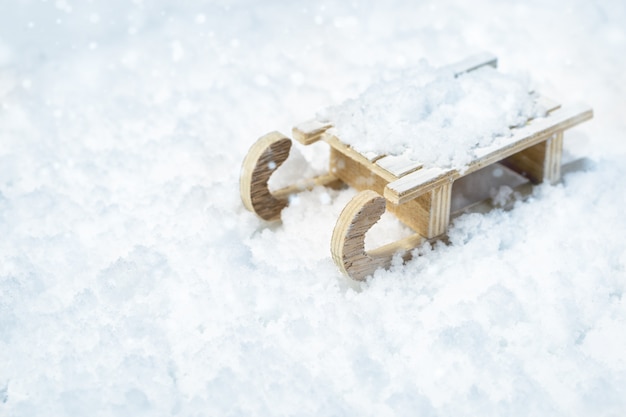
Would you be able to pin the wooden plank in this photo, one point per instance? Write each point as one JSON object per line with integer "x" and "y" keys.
{"x": 440, "y": 210}
{"x": 529, "y": 162}
{"x": 403, "y": 246}
{"x": 547, "y": 103}
{"x": 326, "y": 180}
{"x": 372, "y": 156}
{"x": 533, "y": 133}
{"x": 398, "y": 166}
{"x": 417, "y": 213}
{"x": 417, "y": 183}
{"x": 355, "y": 173}
{"x": 310, "y": 131}
{"x": 537, "y": 131}
{"x": 351, "y": 153}
{"x": 540, "y": 162}
{"x": 473, "y": 62}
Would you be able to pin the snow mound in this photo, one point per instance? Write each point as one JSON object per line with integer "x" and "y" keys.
{"x": 432, "y": 116}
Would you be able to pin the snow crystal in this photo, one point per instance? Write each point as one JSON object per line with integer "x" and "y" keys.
{"x": 432, "y": 116}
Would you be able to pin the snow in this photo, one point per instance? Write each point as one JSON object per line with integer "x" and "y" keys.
{"x": 133, "y": 282}
{"x": 432, "y": 115}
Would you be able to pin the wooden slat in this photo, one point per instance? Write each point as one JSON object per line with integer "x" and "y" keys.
{"x": 533, "y": 133}
{"x": 473, "y": 63}
{"x": 547, "y": 103}
{"x": 310, "y": 131}
{"x": 538, "y": 130}
{"x": 417, "y": 183}
{"x": 351, "y": 153}
{"x": 327, "y": 180}
{"x": 372, "y": 156}
{"x": 399, "y": 166}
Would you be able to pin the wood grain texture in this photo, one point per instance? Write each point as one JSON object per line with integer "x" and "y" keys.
{"x": 473, "y": 62}
{"x": 548, "y": 104}
{"x": 348, "y": 240}
{"x": 540, "y": 162}
{"x": 326, "y": 180}
{"x": 534, "y": 132}
{"x": 439, "y": 217}
{"x": 361, "y": 174}
{"x": 399, "y": 165}
{"x": 522, "y": 141}
{"x": 264, "y": 157}
{"x": 418, "y": 183}
{"x": 553, "y": 159}
{"x": 529, "y": 162}
{"x": 310, "y": 131}
{"x": 356, "y": 173}
{"x": 365, "y": 165}
{"x": 415, "y": 213}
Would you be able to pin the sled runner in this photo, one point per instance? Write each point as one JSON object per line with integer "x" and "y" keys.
{"x": 419, "y": 196}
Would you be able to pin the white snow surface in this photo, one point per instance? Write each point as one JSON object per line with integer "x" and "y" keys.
{"x": 434, "y": 116}
{"x": 134, "y": 283}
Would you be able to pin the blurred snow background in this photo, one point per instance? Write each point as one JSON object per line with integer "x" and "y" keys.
{"x": 133, "y": 282}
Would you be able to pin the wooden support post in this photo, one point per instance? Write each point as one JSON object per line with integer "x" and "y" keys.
{"x": 541, "y": 162}
{"x": 439, "y": 210}
{"x": 553, "y": 158}
{"x": 427, "y": 214}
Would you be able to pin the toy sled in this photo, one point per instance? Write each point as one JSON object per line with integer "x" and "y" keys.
{"x": 420, "y": 197}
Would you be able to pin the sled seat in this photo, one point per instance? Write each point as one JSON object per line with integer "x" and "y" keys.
{"x": 421, "y": 196}
{"x": 312, "y": 130}
{"x": 537, "y": 132}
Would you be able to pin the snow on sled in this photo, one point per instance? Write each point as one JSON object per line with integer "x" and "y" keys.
{"x": 406, "y": 142}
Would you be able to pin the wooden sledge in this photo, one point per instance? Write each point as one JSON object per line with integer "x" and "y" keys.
{"x": 419, "y": 197}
